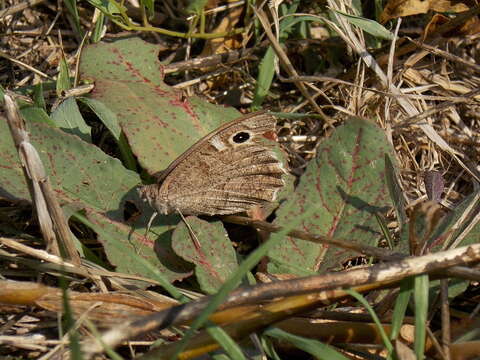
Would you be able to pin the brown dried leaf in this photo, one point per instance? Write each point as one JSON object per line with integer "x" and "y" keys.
{"x": 399, "y": 8}
{"x": 106, "y": 309}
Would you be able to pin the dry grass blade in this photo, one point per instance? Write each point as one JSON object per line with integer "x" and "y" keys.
{"x": 52, "y": 220}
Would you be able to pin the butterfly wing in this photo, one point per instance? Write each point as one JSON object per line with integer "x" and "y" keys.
{"x": 230, "y": 170}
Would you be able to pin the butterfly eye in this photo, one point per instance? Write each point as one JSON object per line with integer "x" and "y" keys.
{"x": 241, "y": 137}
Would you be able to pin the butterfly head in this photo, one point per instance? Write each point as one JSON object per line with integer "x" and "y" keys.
{"x": 151, "y": 195}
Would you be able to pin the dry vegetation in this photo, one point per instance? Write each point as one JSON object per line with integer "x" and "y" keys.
{"x": 422, "y": 89}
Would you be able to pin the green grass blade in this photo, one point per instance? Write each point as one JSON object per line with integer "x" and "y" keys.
{"x": 401, "y": 304}
{"x": 420, "y": 295}
{"x": 383, "y": 334}
{"x": 226, "y": 342}
{"x": 314, "y": 347}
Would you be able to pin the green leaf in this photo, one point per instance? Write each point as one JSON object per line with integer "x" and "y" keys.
{"x": 401, "y": 305}
{"x": 109, "y": 7}
{"x": 157, "y": 120}
{"x": 63, "y": 80}
{"x": 98, "y": 30}
{"x": 267, "y": 66}
{"x": 81, "y": 173}
{"x": 150, "y": 6}
{"x": 71, "y": 6}
{"x": 226, "y": 342}
{"x": 370, "y": 26}
{"x": 68, "y": 118}
{"x": 420, "y": 295}
{"x": 265, "y": 77}
{"x": 345, "y": 185}
{"x": 109, "y": 119}
{"x": 378, "y": 324}
{"x": 36, "y": 114}
{"x": 395, "y": 190}
{"x": 196, "y": 6}
{"x": 313, "y": 347}
{"x": 106, "y": 116}
{"x": 209, "y": 249}
{"x": 38, "y": 98}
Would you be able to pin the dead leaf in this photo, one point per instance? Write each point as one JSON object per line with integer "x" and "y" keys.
{"x": 400, "y": 8}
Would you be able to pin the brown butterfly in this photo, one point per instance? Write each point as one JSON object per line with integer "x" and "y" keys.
{"x": 228, "y": 171}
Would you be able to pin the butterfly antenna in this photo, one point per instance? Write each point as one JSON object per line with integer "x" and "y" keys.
{"x": 196, "y": 242}
{"x": 149, "y": 225}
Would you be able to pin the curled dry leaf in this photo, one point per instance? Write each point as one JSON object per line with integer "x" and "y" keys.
{"x": 399, "y": 8}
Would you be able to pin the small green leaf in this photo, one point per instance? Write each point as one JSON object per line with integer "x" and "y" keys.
{"x": 370, "y": 26}
{"x": 71, "y": 6}
{"x": 109, "y": 7}
{"x": 110, "y": 120}
{"x": 209, "y": 249}
{"x": 150, "y": 6}
{"x": 265, "y": 78}
{"x": 63, "y": 79}
{"x": 38, "y": 98}
{"x": 68, "y": 118}
{"x": 98, "y": 30}
{"x": 395, "y": 190}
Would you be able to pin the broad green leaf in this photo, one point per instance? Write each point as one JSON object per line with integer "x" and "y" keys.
{"x": 345, "y": 185}
{"x": 81, "y": 173}
{"x": 68, "y": 118}
{"x": 157, "y": 120}
{"x": 213, "y": 255}
{"x": 157, "y": 252}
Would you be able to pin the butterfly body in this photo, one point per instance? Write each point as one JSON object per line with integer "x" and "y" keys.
{"x": 228, "y": 171}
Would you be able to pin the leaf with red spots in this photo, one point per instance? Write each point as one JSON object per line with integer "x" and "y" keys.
{"x": 82, "y": 174}
{"x": 158, "y": 121}
{"x": 209, "y": 249}
{"x": 345, "y": 186}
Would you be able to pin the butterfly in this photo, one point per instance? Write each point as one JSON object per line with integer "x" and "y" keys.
{"x": 230, "y": 170}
